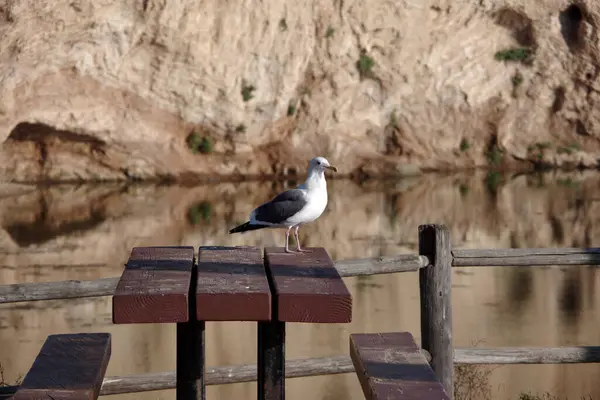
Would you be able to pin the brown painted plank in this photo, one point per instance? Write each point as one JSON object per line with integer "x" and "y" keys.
{"x": 391, "y": 366}
{"x": 308, "y": 287}
{"x": 232, "y": 285}
{"x": 68, "y": 367}
{"x": 154, "y": 287}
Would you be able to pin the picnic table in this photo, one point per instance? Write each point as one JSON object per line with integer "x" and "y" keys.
{"x": 163, "y": 285}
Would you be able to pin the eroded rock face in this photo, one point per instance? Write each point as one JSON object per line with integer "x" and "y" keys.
{"x": 112, "y": 89}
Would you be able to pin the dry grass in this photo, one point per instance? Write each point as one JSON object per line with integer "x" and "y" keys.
{"x": 3, "y": 382}
{"x": 472, "y": 382}
{"x": 547, "y": 396}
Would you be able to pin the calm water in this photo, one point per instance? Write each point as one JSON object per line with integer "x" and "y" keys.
{"x": 86, "y": 232}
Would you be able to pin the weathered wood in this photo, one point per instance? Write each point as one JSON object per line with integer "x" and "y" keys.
{"x": 436, "y": 302}
{"x": 381, "y": 265}
{"x": 68, "y": 367}
{"x": 390, "y": 366}
{"x": 271, "y": 360}
{"x": 519, "y": 252}
{"x": 525, "y": 257}
{"x": 342, "y": 365}
{"x": 232, "y": 285}
{"x": 529, "y": 355}
{"x": 307, "y": 287}
{"x": 74, "y": 289}
{"x": 155, "y": 285}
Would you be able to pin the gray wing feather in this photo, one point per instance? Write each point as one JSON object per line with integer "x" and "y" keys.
{"x": 282, "y": 207}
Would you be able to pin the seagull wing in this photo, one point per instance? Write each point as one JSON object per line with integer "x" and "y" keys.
{"x": 283, "y": 206}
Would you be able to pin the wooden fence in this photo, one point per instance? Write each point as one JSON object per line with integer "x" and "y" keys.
{"x": 434, "y": 262}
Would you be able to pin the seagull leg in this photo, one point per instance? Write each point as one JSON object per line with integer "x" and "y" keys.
{"x": 287, "y": 240}
{"x": 298, "y": 241}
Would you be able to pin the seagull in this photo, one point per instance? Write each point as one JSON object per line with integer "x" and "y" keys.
{"x": 294, "y": 207}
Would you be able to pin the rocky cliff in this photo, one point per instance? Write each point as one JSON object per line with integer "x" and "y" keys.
{"x": 112, "y": 89}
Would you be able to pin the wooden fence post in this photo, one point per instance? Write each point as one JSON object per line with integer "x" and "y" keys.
{"x": 436, "y": 306}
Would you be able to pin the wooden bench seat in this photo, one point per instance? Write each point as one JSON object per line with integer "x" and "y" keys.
{"x": 68, "y": 367}
{"x": 391, "y": 366}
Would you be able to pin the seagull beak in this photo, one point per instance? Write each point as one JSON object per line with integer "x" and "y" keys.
{"x": 331, "y": 167}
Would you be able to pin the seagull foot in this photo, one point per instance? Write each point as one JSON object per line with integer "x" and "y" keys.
{"x": 304, "y": 251}
{"x": 290, "y": 251}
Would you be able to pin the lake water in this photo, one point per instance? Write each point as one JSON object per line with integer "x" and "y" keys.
{"x": 86, "y": 232}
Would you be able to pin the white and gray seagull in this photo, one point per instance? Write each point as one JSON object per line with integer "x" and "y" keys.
{"x": 294, "y": 207}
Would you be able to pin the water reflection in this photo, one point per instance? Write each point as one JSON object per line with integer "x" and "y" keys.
{"x": 86, "y": 232}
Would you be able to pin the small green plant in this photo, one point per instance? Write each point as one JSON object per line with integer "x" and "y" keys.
{"x": 329, "y": 33}
{"x": 241, "y": 128}
{"x": 568, "y": 182}
{"x": 464, "y": 144}
{"x": 283, "y": 24}
{"x": 365, "y": 65}
{"x": 495, "y": 155}
{"x": 247, "y": 92}
{"x": 515, "y": 54}
{"x": 540, "y": 147}
{"x": 543, "y": 145}
{"x": 463, "y": 189}
{"x": 393, "y": 120}
{"x": 291, "y": 110}
{"x": 568, "y": 149}
{"x": 200, "y": 212}
{"x": 493, "y": 179}
{"x": 199, "y": 144}
{"x": 517, "y": 79}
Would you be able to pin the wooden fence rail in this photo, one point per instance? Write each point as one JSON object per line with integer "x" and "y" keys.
{"x": 525, "y": 257}
{"x": 74, "y": 289}
{"x": 342, "y": 365}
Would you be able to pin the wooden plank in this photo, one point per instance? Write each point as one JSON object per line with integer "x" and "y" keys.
{"x": 435, "y": 286}
{"x": 307, "y": 287}
{"x": 390, "y": 366}
{"x": 74, "y": 289}
{"x": 232, "y": 285}
{"x": 68, "y": 367}
{"x": 155, "y": 285}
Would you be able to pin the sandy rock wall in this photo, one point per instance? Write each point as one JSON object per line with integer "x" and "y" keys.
{"x": 112, "y": 89}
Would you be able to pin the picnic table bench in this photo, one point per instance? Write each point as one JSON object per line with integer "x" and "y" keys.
{"x": 68, "y": 367}
{"x": 390, "y": 366}
{"x": 163, "y": 285}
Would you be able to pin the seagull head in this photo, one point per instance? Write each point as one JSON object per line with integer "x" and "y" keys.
{"x": 320, "y": 164}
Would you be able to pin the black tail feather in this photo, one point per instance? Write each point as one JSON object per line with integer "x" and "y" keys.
{"x": 246, "y": 227}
